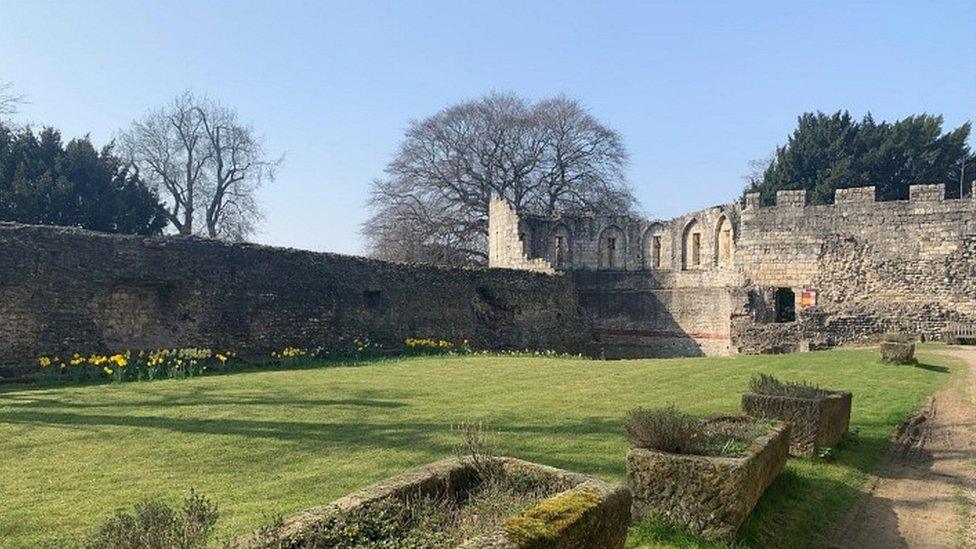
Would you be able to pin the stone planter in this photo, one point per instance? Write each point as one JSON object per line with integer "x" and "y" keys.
{"x": 897, "y": 353}
{"x": 711, "y": 496}
{"x": 816, "y": 422}
{"x": 592, "y": 513}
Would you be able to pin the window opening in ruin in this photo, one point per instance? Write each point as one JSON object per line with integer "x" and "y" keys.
{"x": 785, "y": 305}
{"x": 611, "y": 249}
{"x": 560, "y": 252}
{"x": 723, "y": 251}
{"x": 725, "y": 246}
{"x": 656, "y": 252}
{"x": 524, "y": 244}
{"x": 696, "y": 249}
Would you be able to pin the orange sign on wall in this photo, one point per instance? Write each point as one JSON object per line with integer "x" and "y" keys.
{"x": 808, "y": 298}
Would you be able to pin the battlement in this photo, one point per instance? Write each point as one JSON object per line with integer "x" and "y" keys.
{"x": 927, "y": 193}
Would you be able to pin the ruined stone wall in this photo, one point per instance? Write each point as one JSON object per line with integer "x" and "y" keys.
{"x": 67, "y": 290}
{"x": 708, "y": 283}
{"x": 647, "y": 298}
{"x": 907, "y": 265}
{"x": 657, "y": 314}
{"x": 507, "y": 240}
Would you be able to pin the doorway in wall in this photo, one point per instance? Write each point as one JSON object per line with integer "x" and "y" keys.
{"x": 785, "y": 305}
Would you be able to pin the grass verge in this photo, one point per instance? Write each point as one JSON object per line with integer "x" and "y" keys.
{"x": 266, "y": 443}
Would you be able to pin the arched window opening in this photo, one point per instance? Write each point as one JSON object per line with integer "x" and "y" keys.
{"x": 559, "y": 253}
{"x": 785, "y": 305}
{"x": 612, "y": 249}
{"x": 723, "y": 242}
{"x": 654, "y": 251}
{"x": 691, "y": 256}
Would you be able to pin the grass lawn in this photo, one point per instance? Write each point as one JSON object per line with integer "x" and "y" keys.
{"x": 274, "y": 442}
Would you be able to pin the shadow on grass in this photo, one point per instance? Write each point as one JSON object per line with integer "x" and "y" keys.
{"x": 175, "y": 401}
{"x": 931, "y": 367}
{"x": 393, "y": 434}
{"x": 792, "y": 508}
{"x": 800, "y": 510}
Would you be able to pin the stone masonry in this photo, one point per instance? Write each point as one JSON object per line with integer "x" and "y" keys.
{"x": 68, "y": 290}
{"x": 734, "y": 278}
{"x": 745, "y": 278}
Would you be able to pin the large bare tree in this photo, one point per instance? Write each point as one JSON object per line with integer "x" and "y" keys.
{"x": 205, "y": 164}
{"x": 547, "y": 157}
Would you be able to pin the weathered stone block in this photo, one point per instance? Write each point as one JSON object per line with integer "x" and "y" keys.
{"x": 816, "y": 422}
{"x": 711, "y": 496}
{"x": 897, "y": 352}
{"x": 592, "y": 513}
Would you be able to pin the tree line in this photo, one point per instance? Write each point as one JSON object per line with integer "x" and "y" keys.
{"x": 190, "y": 167}
{"x": 193, "y": 167}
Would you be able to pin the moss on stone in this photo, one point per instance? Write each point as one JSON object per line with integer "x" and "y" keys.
{"x": 542, "y": 524}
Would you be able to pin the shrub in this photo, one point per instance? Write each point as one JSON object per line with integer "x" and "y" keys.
{"x": 154, "y": 525}
{"x": 765, "y": 384}
{"x": 665, "y": 429}
{"x": 673, "y": 431}
{"x": 478, "y": 446}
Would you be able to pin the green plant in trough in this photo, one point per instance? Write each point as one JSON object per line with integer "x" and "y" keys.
{"x": 766, "y": 384}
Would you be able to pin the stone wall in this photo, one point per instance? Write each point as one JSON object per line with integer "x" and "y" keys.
{"x": 907, "y": 265}
{"x": 657, "y": 314}
{"x": 714, "y": 281}
{"x": 646, "y": 290}
{"x": 68, "y": 290}
{"x": 507, "y": 234}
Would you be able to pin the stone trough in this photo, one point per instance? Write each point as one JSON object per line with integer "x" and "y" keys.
{"x": 816, "y": 422}
{"x": 896, "y": 352}
{"x": 592, "y": 513}
{"x": 711, "y": 496}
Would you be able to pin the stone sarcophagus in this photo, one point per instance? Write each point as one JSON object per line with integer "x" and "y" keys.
{"x": 711, "y": 496}
{"x": 817, "y": 422}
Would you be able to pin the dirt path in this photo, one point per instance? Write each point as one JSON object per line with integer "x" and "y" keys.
{"x": 917, "y": 497}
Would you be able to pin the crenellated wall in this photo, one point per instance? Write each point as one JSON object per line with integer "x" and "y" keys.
{"x": 905, "y": 265}
{"x": 715, "y": 281}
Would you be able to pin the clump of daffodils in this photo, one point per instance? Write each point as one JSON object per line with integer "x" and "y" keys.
{"x": 427, "y": 343}
{"x": 136, "y": 365}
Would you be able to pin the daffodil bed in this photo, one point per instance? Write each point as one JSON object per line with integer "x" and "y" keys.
{"x": 263, "y": 443}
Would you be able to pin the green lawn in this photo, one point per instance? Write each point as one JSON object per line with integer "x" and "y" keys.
{"x": 265, "y": 443}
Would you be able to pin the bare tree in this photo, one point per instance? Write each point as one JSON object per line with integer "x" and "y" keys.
{"x": 205, "y": 164}
{"x": 9, "y": 99}
{"x": 432, "y": 206}
{"x": 584, "y": 161}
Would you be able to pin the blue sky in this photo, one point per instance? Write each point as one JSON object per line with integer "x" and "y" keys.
{"x": 696, "y": 89}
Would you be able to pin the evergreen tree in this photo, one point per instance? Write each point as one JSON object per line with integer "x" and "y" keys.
{"x": 829, "y": 152}
{"x": 43, "y": 181}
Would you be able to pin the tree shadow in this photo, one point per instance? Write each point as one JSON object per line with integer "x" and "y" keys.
{"x": 931, "y": 367}
{"x": 175, "y": 401}
{"x": 778, "y": 516}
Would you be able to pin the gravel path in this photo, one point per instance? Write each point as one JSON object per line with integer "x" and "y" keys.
{"x": 917, "y": 497}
